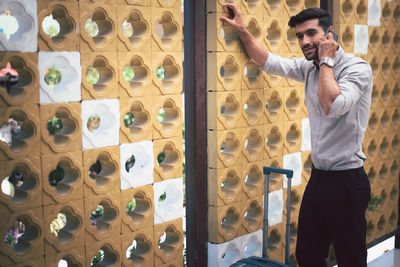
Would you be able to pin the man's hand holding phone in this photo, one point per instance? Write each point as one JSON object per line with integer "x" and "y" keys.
{"x": 327, "y": 46}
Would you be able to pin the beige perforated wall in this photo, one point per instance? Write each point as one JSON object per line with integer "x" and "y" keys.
{"x": 99, "y": 104}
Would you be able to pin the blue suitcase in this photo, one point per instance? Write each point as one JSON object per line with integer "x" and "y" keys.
{"x": 264, "y": 262}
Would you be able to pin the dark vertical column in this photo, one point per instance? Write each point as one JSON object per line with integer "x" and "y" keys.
{"x": 327, "y": 5}
{"x": 195, "y": 131}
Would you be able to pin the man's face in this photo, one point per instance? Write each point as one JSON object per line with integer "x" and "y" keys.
{"x": 309, "y": 33}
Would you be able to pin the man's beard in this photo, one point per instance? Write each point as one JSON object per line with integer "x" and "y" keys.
{"x": 309, "y": 56}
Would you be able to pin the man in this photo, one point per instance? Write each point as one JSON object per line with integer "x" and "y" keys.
{"x": 338, "y": 90}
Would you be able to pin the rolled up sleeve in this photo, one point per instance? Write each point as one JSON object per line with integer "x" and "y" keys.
{"x": 353, "y": 82}
{"x": 289, "y": 68}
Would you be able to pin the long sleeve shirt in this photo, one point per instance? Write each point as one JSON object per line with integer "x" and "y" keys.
{"x": 336, "y": 138}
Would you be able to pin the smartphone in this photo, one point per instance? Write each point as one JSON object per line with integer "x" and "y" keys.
{"x": 335, "y": 36}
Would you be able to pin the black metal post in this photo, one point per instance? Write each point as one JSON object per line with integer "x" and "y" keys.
{"x": 195, "y": 131}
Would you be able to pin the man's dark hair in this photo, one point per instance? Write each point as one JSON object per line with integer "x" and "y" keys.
{"x": 325, "y": 20}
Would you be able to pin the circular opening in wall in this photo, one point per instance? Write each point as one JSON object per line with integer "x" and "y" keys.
{"x": 274, "y": 178}
{"x": 13, "y": 235}
{"x": 253, "y": 142}
{"x": 127, "y": 29}
{"x": 138, "y": 250}
{"x": 385, "y": 65}
{"x": 273, "y": 139}
{"x": 347, "y": 36}
{"x": 128, "y": 73}
{"x": 374, "y": 65}
{"x": 95, "y": 169}
{"x": 168, "y": 242}
{"x": 393, "y": 219}
{"x": 229, "y": 109}
{"x": 63, "y": 177}
{"x": 383, "y": 172}
{"x": 58, "y": 223}
{"x": 130, "y": 163}
{"x": 307, "y": 167}
{"x": 12, "y": 182}
{"x": 347, "y": 8}
{"x": 274, "y": 3}
{"x": 56, "y": 175}
{"x": 10, "y": 24}
{"x": 161, "y": 115}
{"x": 54, "y": 125}
{"x": 394, "y": 169}
{"x": 228, "y": 34}
{"x": 129, "y": 119}
{"x": 168, "y": 158}
{"x": 93, "y": 123}
{"x": 371, "y": 174}
{"x": 292, "y": 103}
{"x": 274, "y": 240}
{"x": 273, "y": 32}
{"x": 374, "y": 37}
{"x": 21, "y": 234}
{"x": 396, "y": 64}
{"x": 52, "y": 76}
{"x": 371, "y": 148}
{"x": 385, "y": 39}
{"x": 394, "y": 194}
{"x": 91, "y": 28}
{"x": 253, "y": 27}
{"x": 252, "y": 72}
{"x": 373, "y": 121}
{"x": 160, "y": 73}
{"x": 162, "y": 198}
{"x": 386, "y": 11}
{"x": 134, "y": 27}
{"x": 253, "y": 214}
{"x": 98, "y": 258}
{"x": 92, "y": 75}
{"x": 230, "y": 222}
{"x": 229, "y": 147}
{"x": 138, "y": 208}
{"x": 395, "y": 143}
{"x": 385, "y": 119}
{"x": 229, "y": 71}
{"x": 96, "y": 215}
{"x": 137, "y": 118}
{"x": 381, "y": 224}
{"x": 385, "y": 93}
{"x": 293, "y": 4}
{"x": 25, "y": 76}
{"x": 253, "y": 179}
{"x": 273, "y": 104}
{"x": 292, "y": 137}
{"x": 362, "y": 9}
{"x": 230, "y": 185}
{"x": 384, "y": 146}
{"x": 166, "y": 28}
{"x": 50, "y": 26}
{"x": 253, "y": 107}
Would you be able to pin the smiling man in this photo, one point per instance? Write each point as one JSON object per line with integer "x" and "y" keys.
{"x": 338, "y": 89}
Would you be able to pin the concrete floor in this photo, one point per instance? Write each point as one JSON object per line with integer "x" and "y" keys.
{"x": 388, "y": 259}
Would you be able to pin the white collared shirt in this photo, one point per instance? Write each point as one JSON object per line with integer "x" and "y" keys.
{"x": 336, "y": 138}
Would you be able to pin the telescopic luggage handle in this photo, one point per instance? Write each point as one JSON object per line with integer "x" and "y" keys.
{"x": 268, "y": 170}
{"x": 289, "y": 174}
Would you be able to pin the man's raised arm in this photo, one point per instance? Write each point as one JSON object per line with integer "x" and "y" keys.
{"x": 254, "y": 49}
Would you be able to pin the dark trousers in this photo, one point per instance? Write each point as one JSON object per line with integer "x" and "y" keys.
{"x": 333, "y": 211}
